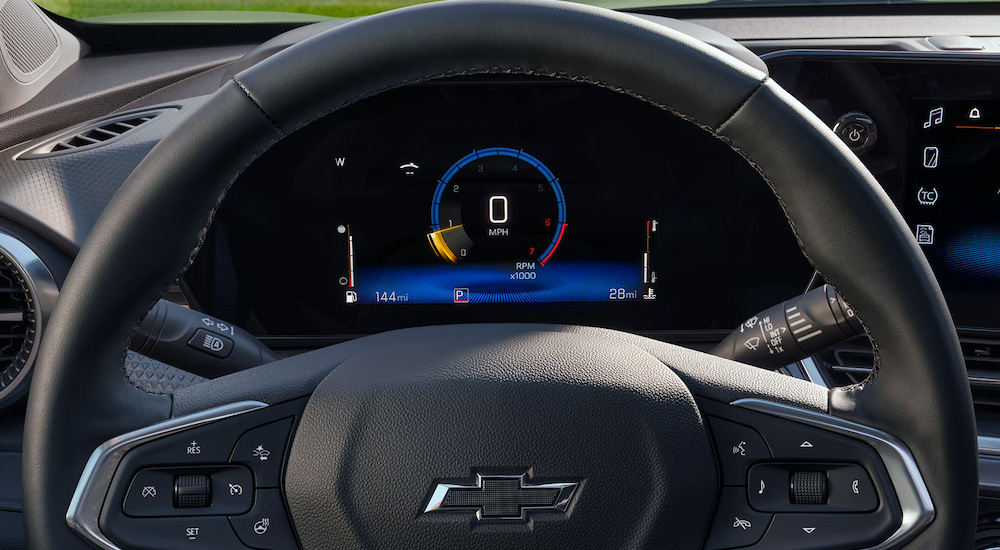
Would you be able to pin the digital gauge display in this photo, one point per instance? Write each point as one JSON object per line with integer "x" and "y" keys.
{"x": 496, "y": 199}
{"x": 497, "y": 219}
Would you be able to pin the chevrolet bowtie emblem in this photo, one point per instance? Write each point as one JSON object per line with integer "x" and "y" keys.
{"x": 502, "y": 497}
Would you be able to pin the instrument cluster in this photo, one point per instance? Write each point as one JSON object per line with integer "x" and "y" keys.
{"x": 497, "y": 200}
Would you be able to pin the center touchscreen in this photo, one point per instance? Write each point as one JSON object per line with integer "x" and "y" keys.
{"x": 953, "y": 190}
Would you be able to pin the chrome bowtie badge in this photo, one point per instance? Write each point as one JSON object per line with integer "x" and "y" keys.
{"x": 502, "y": 497}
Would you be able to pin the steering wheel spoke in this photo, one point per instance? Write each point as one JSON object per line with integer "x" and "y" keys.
{"x": 205, "y": 480}
{"x": 805, "y": 479}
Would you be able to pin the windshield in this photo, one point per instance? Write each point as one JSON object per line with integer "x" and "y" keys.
{"x": 209, "y": 10}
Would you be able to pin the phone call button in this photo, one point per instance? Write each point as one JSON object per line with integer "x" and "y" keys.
{"x": 851, "y": 488}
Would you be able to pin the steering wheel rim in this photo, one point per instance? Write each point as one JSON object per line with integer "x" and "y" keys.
{"x": 846, "y": 225}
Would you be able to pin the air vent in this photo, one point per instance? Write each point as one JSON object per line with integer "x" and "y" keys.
{"x": 27, "y": 40}
{"x": 17, "y": 323}
{"x": 850, "y": 365}
{"x": 92, "y": 134}
{"x": 27, "y": 294}
{"x": 982, "y": 360}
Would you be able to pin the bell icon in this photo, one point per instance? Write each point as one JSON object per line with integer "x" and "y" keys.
{"x": 974, "y": 113}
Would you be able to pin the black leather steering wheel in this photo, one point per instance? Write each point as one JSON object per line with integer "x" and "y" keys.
{"x": 389, "y": 414}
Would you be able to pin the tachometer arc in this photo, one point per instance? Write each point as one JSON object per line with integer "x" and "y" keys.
{"x": 442, "y": 184}
{"x": 555, "y": 244}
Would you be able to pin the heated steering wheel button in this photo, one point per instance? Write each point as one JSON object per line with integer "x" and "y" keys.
{"x": 738, "y": 447}
{"x": 266, "y": 527}
{"x": 736, "y": 524}
{"x": 211, "y": 343}
{"x": 263, "y": 450}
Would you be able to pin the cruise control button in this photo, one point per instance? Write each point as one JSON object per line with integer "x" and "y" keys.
{"x": 738, "y": 447}
{"x": 173, "y": 533}
{"x": 210, "y": 444}
{"x": 266, "y": 526}
{"x": 151, "y": 494}
{"x": 851, "y": 488}
{"x": 232, "y": 490}
{"x": 736, "y": 524}
{"x": 263, "y": 450}
{"x": 826, "y": 531}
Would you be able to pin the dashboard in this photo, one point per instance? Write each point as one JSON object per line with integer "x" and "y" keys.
{"x": 497, "y": 199}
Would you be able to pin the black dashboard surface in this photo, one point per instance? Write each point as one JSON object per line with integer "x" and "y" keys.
{"x": 571, "y": 203}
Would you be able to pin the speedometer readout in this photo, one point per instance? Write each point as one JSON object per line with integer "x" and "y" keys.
{"x": 497, "y": 205}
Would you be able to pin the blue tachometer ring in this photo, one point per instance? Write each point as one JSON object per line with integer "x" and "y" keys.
{"x": 560, "y": 225}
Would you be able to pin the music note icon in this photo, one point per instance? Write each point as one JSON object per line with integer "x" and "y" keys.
{"x": 934, "y": 117}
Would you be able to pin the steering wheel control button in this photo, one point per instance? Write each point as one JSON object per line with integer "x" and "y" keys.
{"x": 857, "y": 131}
{"x": 827, "y": 531}
{"x": 200, "y": 533}
{"x": 738, "y": 447}
{"x": 736, "y": 523}
{"x": 209, "y": 444}
{"x": 263, "y": 450}
{"x": 791, "y": 441}
{"x": 851, "y": 489}
{"x": 150, "y": 494}
{"x": 266, "y": 527}
{"x": 232, "y": 490}
{"x": 192, "y": 491}
{"x": 211, "y": 343}
{"x": 809, "y": 488}
{"x": 768, "y": 488}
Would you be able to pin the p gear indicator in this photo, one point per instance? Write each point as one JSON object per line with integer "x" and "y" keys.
{"x": 497, "y": 205}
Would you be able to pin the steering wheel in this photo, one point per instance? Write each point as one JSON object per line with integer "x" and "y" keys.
{"x": 501, "y": 436}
